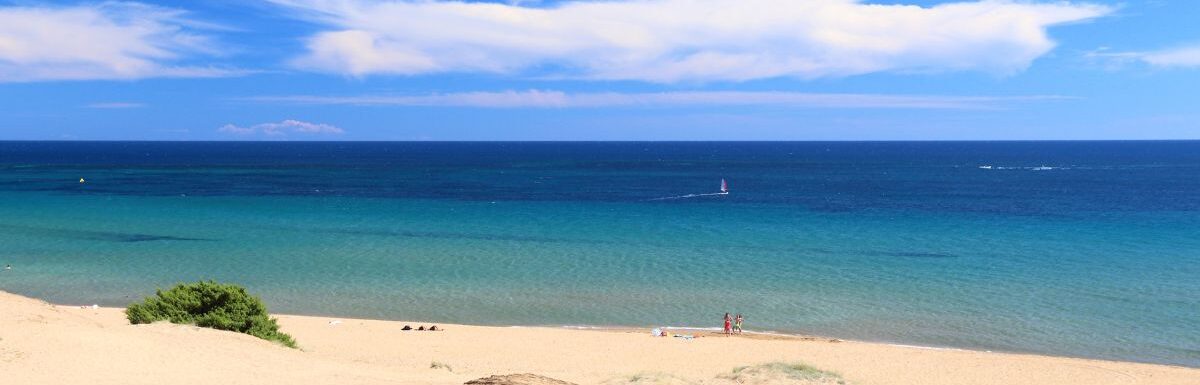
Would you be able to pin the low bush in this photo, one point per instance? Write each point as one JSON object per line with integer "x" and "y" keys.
{"x": 212, "y": 305}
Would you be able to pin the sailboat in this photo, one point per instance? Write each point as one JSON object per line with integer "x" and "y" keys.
{"x": 724, "y": 187}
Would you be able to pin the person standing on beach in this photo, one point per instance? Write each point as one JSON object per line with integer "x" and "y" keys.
{"x": 728, "y": 324}
{"x": 737, "y": 324}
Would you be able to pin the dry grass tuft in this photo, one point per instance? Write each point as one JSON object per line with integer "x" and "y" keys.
{"x": 775, "y": 373}
{"x": 440, "y": 365}
{"x": 779, "y": 373}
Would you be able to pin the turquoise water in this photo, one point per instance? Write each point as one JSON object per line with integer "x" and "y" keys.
{"x": 1064, "y": 249}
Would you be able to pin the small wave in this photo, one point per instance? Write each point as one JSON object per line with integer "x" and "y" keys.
{"x": 932, "y": 348}
{"x": 676, "y": 328}
{"x": 693, "y": 328}
{"x": 585, "y": 327}
{"x": 718, "y": 329}
{"x": 1027, "y": 168}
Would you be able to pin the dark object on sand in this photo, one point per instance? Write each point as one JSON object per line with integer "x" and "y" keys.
{"x": 406, "y": 327}
{"x": 433, "y": 328}
{"x": 517, "y": 379}
{"x": 421, "y": 328}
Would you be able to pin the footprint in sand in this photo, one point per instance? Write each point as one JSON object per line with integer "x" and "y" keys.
{"x": 10, "y": 356}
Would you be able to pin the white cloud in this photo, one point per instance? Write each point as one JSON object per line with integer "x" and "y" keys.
{"x": 115, "y": 105}
{"x": 282, "y": 128}
{"x": 559, "y": 99}
{"x": 1180, "y": 57}
{"x": 680, "y": 40}
{"x": 109, "y": 40}
{"x": 239, "y": 130}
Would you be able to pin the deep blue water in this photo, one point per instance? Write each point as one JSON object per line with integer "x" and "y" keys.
{"x": 1071, "y": 248}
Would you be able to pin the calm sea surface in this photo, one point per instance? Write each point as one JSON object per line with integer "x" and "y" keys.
{"x": 1070, "y": 248}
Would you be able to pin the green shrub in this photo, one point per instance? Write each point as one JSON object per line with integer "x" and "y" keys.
{"x": 212, "y": 305}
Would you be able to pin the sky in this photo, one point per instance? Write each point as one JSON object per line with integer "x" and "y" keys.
{"x": 599, "y": 70}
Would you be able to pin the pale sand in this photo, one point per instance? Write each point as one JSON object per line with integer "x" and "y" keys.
{"x": 47, "y": 344}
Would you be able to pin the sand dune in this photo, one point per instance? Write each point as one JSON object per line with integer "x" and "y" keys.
{"x": 46, "y": 344}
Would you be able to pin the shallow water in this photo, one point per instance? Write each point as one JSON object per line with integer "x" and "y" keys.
{"x": 1070, "y": 248}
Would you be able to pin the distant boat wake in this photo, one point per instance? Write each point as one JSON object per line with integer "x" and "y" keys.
{"x": 724, "y": 191}
{"x": 687, "y": 196}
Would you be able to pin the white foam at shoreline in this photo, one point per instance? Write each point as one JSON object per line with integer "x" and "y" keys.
{"x": 935, "y": 348}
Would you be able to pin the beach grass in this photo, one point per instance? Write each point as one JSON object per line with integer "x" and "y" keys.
{"x": 774, "y": 373}
{"x": 440, "y": 365}
{"x": 782, "y": 373}
{"x": 649, "y": 378}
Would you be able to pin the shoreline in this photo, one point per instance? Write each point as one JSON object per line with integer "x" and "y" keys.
{"x": 774, "y": 335}
{"x": 709, "y": 331}
{"x": 42, "y": 343}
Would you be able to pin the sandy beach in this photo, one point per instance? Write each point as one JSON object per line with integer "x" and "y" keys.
{"x": 42, "y": 343}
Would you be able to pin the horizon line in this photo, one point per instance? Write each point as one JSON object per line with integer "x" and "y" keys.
{"x": 602, "y": 141}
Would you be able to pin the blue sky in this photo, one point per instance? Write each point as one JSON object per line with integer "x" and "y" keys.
{"x": 599, "y": 70}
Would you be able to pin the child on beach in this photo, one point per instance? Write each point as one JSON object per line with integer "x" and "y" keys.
{"x": 737, "y": 324}
{"x": 728, "y": 324}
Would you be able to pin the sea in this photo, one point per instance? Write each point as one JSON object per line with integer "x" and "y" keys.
{"x": 1085, "y": 249}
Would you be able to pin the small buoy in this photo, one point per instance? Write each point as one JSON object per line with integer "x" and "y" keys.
{"x": 81, "y": 180}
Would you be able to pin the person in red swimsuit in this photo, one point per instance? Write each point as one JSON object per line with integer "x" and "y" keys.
{"x": 728, "y": 324}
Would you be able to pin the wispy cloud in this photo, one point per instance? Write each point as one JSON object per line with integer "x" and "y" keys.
{"x": 107, "y": 40}
{"x": 283, "y": 128}
{"x": 115, "y": 105}
{"x": 1179, "y": 57}
{"x": 680, "y": 40}
{"x": 1187, "y": 56}
{"x": 560, "y": 99}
